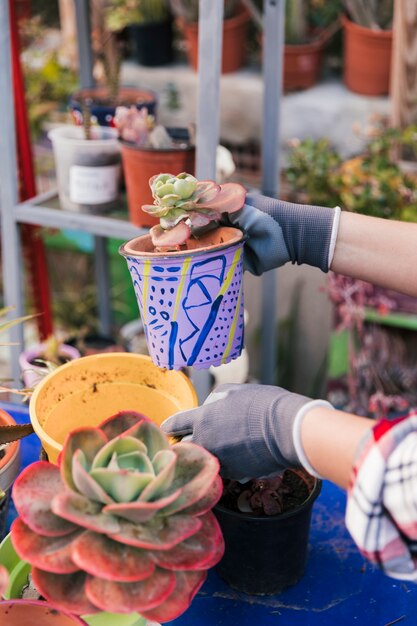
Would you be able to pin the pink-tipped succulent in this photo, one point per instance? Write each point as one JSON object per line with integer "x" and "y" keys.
{"x": 134, "y": 125}
{"x": 123, "y": 524}
{"x": 4, "y": 580}
{"x": 184, "y": 204}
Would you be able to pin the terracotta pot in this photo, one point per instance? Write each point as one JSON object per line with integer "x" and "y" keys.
{"x": 367, "y": 59}
{"x": 9, "y": 469}
{"x": 234, "y": 41}
{"x": 139, "y": 164}
{"x": 86, "y": 391}
{"x": 102, "y": 110}
{"x": 302, "y": 65}
{"x": 30, "y": 612}
{"x": 190, "y": 301}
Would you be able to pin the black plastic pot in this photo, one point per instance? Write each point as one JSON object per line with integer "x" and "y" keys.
{"x": 151, "y": 43}
{"x": 264, "y": 555}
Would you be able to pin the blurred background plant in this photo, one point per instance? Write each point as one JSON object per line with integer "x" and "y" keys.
{"x": 188, "y": 9}
{"x": 49, "y": 79}
{"x": 372, "y": 183}
{"x": 374, "y": 14}
{"x": 306, "y": 19}
{"x": 122, "y": 13}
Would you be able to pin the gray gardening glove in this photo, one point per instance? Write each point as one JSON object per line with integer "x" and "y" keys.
{"x": 252, "y": 429}
{"x": 279, "y": 232}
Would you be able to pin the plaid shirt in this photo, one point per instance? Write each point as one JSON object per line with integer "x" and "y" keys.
{"x": 381, "y": 513}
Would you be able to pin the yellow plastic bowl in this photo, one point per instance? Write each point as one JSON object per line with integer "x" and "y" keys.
{"x": 86, "y": 391}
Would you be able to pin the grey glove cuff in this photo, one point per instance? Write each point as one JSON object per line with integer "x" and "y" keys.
{"x": 307, "y": 230}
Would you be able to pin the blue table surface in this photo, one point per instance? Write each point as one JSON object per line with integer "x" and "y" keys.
{"x": 338, "y": 588}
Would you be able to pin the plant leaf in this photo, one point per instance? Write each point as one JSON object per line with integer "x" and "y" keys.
{"x": 85, "y": 483}
{"x": 83, "y": 512}
{"x": 170, "y": 238}
{"x": 33, "y": 492}
{"x": 112, "y": 560}
{"x": 67, "y": 591}
{"x": 195, "y": 552}
{"x": 158, "y": 533}
{"x": 122, "y": 485}
{"x": 120, "y": 423}
{"x": 139, "y": 512}
{"x": 129, "y": 597}
{"x": 187, "y": 585}
{"x": 195, "y": 471}
{"x": 88, "y": 439}
{"x": 52, "y": 554}
{"x": 230, "y": 199}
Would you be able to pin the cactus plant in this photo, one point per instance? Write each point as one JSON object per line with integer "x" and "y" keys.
{"x": 182, "y": 203}
{"x": 123, "y": 523}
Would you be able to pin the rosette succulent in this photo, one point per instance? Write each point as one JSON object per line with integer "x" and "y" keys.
{"x": 184, "y": 204}
{"x": 123, "y": 523}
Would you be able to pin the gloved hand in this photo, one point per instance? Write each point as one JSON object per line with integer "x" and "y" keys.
{"x": 254, "y": 430}
{"x": 279, "y": 232}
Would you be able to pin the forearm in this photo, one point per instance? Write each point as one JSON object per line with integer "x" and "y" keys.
{"x": 330, "y": 440}
{"x": 383, "y": 252}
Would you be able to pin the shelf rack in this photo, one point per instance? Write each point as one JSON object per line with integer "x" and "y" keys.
{"x": 40, "y": 212}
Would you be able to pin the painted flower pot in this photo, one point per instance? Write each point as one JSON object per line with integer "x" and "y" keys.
{"x": 30, "y": 612}
{"x": 88, "y": 390}
{"x": 32, "y": 374}
{"x": 19, "y": 571}
{"x": 190, "y": 302}
{"x": 9, "y": 469}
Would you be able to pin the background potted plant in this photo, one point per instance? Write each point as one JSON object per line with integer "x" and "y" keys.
{"x": 367, "y": 46}
{"x": 265, "y": 524}
{"x": 309, "y": 25}
{"x": 39, "y": 360}
{"x": 147, "y": 149}
{"x": 148, "y": 24}
{"x": 126, "y": 523}
{"x": 236, "y": 19}
{"x": 188, "y": 281}
{"x": 101, "y": 101}
{"x": 88, "y": 166}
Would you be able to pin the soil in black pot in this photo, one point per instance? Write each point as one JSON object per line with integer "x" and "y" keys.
{"x": 267, "y": 496}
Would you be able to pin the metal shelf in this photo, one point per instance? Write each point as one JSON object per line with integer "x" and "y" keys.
{"x": 43, "y": 210}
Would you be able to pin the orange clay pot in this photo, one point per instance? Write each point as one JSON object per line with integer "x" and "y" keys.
{"x": 139, "y": 164}
{"x": 367, "y": 59}
{"x": 234, "y": 41}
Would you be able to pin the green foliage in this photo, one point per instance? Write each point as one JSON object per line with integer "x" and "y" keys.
{"x": 313, "y": 165}
{"x": 122, "y": 13}
{"x": 375, "y": 14}
{"x": 48, "y": 87}
{"x": 372, "y": 183}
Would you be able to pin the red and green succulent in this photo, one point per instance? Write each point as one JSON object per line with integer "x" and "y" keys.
{"x": 184, "y": 204}
{"x": 123, "y": 523}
